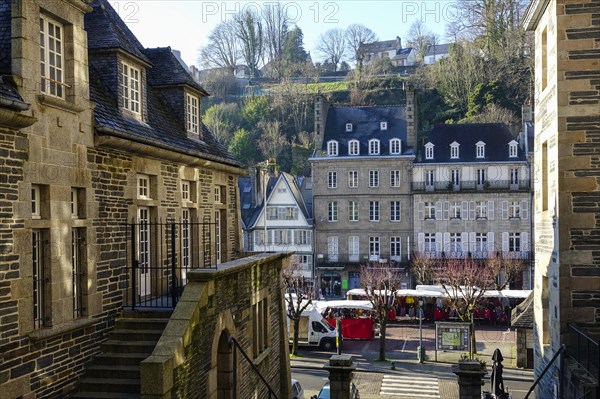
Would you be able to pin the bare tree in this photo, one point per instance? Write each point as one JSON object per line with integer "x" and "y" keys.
{"x": 298, "y": 296}
{"x": 419, "y": 37}
{"x": 421, "y": 267}
{"x": 506, "y": 269}
{"x": 380, "y": 282}
{"x": 272, "y": 140}
{"x": 494, "y": 113}
{"x": 357, "y": 35}
{"x": 249, "y": 30}
{"x": 332, "y": 46}
{"x": 276, "y": 31}
{"x": 465, "y": 281}
{"x": 222, "y": 49}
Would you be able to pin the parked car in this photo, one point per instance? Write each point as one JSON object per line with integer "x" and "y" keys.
{"x": 324, "y": 393}
{"x": 297, "y": 390}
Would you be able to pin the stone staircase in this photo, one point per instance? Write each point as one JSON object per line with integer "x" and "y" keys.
{"x": 115, "y": 372}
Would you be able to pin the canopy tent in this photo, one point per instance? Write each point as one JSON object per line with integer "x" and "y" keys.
{"x": 437, "y": 291}
{"x": 343, "y": 304}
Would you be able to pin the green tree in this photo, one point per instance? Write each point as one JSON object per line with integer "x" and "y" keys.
{"x": 255, "y": 111}
{"x": 222, "y": 120}
{"x": 243, "y": 148}
{"x": 249, "y": 30}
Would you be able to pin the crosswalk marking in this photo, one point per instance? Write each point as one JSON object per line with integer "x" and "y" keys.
{"x": 410, "y": 386}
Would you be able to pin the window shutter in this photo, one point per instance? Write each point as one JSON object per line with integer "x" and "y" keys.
{"x": 525, "y": 209}
{"x": 421, "y": 211}
{"x": 525, "y": 242}
{"x": 472, "y": 241}
{"x": 438, "y": 242}
{"x": 464, "y": 243}
{"x": 446, "y": 243}
{"x": 491, "y": 243}
{"x": 446, "y": 206}
{"x": 421, "y": 242}
{"x": 289, "y": 237}
{"x": 505, "y": 242}
{"x": 464, "y": 213}
{"x": 490, "y": 210}
{"x": 438, "y": 210}
{"x": 471, "y": 210}
{"x": 504, "y": 210}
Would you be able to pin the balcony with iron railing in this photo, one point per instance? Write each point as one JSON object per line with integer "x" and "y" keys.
{"x": 471, "y": 185}
{"x": 481, "y": 254}
{"x": 340, "y": 260}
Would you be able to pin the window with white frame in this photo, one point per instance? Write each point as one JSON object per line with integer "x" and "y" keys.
{"x": 480, "y": 177}
{"x": 395, "y": 178}
{"x": 282, "y": 213}
{"x": 455, "y": 177}
{"x": 455, "y": 242}
{"x": 332, "y": 179}
{"x": 429, "y": 210}
{"x": 454, "y": 150}
{"x": 395, "y": 249}
{"x": 192, "y": 114}
{"x": 429, "y": 151}
{"x": 332, "y": 211}
{"x": 36, "y": 201}
{"x": 303, "y": 237}
{"x": 481, "y": 243}
{"x": 40, "y": 274}
{"x": 143, "y": 186}
{"x": 332, "y": 148}
{"x": 185, "y": 191}
{"x": 218, "y": 192}
{"x": 130, "y": 93}
{"x": 353, "y": 147}
{"x": 429, "y": 242}
{"x": 74, "y": 203}
{"x": 480, "y": 150}
{"x": 514, "y": 176}
{"x": 332, "y": 248}
{"x": 513, "y": 149}
{"x": 395, "y": 211}
{"x": 374, "y": 211}
{"x": 353, "y": 248}
{"x": 52, "y": 57}
{"x": 373, "y": 178}
{"x": 481, "y": 209}
{"x": 514, "y": 210}
{"x": 383, "y": 125}
{"x": 353, "y": 211}
{"x": 395, "y": 146}
{"x": 353, "y": 179}
{"x": 348, "y": 127}
{"x": 374, "y": 247}
{"x": 430, "y": 177}
{"x": 455, "y": 210}
{"x": 514, "y": 242}
{"x": 374, "y": 147}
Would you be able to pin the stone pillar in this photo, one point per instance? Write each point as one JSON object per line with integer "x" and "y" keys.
{"x": 340, "y": 369}
{"x": 470, "y": 379}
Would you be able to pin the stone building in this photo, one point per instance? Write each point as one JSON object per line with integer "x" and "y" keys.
{"x": 361, "y": 190}
{"x": 471, "y": 194}
{"x": 567, "y": 125}
{"x": 109, "y": 176}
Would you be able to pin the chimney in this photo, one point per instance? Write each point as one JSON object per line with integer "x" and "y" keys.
{"x": 321, "y": 109}
{"x": 398, "y": 43}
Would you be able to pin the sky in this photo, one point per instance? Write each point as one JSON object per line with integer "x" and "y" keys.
{"x": 185, "y": 24}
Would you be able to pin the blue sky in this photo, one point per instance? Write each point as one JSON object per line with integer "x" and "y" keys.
{"x": 185, "y": 24}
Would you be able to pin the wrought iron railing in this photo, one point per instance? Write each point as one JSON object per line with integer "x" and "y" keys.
{"x": 237, "y": 347}
{"x": 159, "y": 257}
{"x": 359, "y": 258}
{"x": 584, "y": 348}
{"x": 471, "y": 185}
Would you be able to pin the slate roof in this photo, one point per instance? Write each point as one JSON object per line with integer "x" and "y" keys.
{"x": 438, "y": 49}
{"x": 365, "y": 126}
{"x": 5, "y": 37}
{"x": 384, "y": 45}
{"x": 496, "y": 137}
{"x": 8, "y": 90}
{"x": 167, "y": 70}
{"x": 403, "y": 53}
{"x": 106, "y": 30}
{"x": 522, "y": 315}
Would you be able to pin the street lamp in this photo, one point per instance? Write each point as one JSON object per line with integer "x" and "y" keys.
{"x": 421, "y": 350}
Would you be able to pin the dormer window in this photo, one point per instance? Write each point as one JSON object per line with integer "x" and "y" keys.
{"x": 130, "y": 88}
{"x": 374, "y": 147}
{"x": 332, "y": 148}
{"x": 395, "y": 146}
{"x": 480, "y": 150}
{"x": 429, "y": 150}
{"x": 348, "y": 127}
{"x": 382, "y": 125}
{"x": 454, "y": 150}
{"x": 513, "y": 149}
{"x": 191, "y": 114}
{"x": 51, "y": 57}
{"x": 353, "y": 147}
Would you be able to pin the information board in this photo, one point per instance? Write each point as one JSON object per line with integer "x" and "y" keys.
{"x": 452, "y": 337}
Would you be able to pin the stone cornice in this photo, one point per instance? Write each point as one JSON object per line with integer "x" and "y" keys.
{"x": 82, "y": 5}
{"x": 15, "y": 120}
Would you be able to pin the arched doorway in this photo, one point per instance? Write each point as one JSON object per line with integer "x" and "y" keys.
{"x": 224, "y": 368}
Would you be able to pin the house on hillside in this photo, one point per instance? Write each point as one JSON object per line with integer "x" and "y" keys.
{"x": 567, "y": 216}
{"x": 288, "y": 225}
{"x": 472, "y": 194}
{"x": 116, "y": 199}
{"x": 391, "y": 49}
{"x": 436, "y": 52}
{"x": 362, "y": 203}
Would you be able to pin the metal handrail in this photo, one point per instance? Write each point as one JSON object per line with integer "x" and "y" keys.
{"x": 562, "y": 349}
{"x": 233, "y": 342}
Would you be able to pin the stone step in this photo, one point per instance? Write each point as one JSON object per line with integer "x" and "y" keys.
{"x": 128, "y": 347}
{"x": 164, "y": 314}
{"x": 120, "y": 359}
{"x": 105, "y": 395}
{"x": 141, "y": 324}
{"x": 114, "y": 371}
{"x": 110, "y": 385}
{"x": 121, "y": 334}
